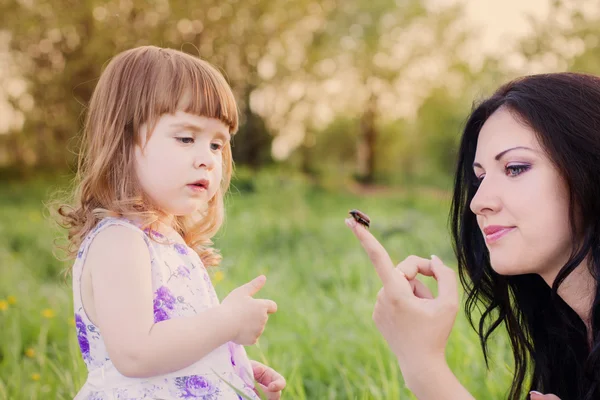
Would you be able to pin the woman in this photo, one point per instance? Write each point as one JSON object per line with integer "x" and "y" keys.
{"x": 526, "y": 231}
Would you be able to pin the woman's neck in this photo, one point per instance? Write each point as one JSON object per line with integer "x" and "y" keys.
{"x": 578, "y": 291}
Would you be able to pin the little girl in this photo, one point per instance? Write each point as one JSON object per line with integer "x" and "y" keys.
{"x": 154, "y": 166}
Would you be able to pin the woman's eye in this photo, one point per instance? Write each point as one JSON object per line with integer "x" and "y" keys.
{"x": 516, "y": 170}
{"x": 477, "y": 179}
{"x": 185, "y": 140}
{"x": 216, "y": 146}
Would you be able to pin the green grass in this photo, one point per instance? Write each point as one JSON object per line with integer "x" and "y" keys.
{"x": 322, "y": 339}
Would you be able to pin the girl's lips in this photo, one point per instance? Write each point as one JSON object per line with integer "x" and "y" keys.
{"x": 496, "y": 234}
{"x": 197, "y": 188}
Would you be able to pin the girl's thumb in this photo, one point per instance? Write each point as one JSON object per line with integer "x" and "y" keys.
{"x": 252, "y": 287}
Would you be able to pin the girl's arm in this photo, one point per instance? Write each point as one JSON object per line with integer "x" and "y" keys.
{"x": 119, "y": 262}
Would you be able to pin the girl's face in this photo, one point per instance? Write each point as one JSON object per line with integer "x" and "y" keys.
{"x": 180, "y": 167}
{"x": 521, "y": 203}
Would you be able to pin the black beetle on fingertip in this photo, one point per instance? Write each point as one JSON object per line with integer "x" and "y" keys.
{"x": 361, "y": 217}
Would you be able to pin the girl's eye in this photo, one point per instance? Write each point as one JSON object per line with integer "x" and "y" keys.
{"x": 516, "y": 170}
{"x": 185, "y": 140}
{"x": 216, "y": 146}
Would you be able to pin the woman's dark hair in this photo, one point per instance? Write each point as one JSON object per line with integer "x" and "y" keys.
{"x": 549, "y": 340}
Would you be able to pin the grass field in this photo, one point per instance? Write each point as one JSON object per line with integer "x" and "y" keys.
{"x": 322, "y": 339}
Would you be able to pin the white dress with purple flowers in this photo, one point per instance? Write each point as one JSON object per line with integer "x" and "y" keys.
{"x": 181, "y": 288}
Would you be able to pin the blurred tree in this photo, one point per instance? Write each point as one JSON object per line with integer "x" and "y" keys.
{"x": 566, "y": 39}
{"x": 61, "y": 46}
{"x": 295, "y": 66}
{"x": 363, "y": 59}
{"x": 439, "y": 122}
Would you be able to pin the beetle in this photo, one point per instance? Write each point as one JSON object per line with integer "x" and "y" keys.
{"x": 361, "y": 217}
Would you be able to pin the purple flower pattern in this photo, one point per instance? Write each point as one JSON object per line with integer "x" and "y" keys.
{"x": 236, "y": 352}
{"x": 196, "y": 387}
{"x": 84, "y": 344}
{"x": 164, "y": 304}
{"x": 181, "y": 249}
{"x": 95, "y": 396}
{"x": 183, "y": 271}
{"x": 153, "y": 233}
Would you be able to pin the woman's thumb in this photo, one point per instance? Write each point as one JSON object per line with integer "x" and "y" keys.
{"x": 446, "y": 278}
{"x": 535, "y": 395}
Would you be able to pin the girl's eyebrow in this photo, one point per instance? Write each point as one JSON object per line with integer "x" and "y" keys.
{"x": 502, "y": 153}
{"x": 198, "y": 129}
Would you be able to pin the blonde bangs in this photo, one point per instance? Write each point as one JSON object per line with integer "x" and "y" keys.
{"x": 137, "y": 87}
{"x": 185, "y": 83}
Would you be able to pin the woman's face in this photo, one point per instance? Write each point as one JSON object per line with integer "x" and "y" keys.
{"x": 521, "y": 203}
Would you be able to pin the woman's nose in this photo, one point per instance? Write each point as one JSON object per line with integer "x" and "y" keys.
{"x": 486, "y": 199}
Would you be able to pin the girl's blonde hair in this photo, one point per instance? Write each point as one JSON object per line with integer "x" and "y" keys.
{"x": 137, "y": 87}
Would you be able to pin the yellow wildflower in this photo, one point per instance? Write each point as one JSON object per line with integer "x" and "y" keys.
{"x": 48, "y": 313}
{"x": 30, "y": 352}
{"x": 219, "y": 275}
{"x": 35, "y": 376}
{"x": 12, "y": 300}
{"x": 3, "y": 305}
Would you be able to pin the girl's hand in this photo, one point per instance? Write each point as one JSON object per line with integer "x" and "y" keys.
{"x": 270, "y": 381}
{"x": 534, "y": 395}
{"x": 415, "y": 325}
{"x": 248, "y": 316}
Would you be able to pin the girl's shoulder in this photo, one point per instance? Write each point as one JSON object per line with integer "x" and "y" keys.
{"x": 113, "y": 232}
{"x": 106, "y": 222}
{"x": 123, "y": 236}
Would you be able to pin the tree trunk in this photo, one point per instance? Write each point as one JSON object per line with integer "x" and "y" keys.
{"x": 251, "y": 146}
{"x": 367, "y": 141}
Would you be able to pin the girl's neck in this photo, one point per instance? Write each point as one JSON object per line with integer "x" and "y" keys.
{"x": 166, "y": 220}
{"x": 166, "y": 225}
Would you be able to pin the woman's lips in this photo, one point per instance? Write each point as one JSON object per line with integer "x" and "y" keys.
{"x": 495, "y": 233}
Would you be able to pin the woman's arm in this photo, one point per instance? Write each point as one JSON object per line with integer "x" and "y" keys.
{"x": 415, "y": 325}
{"x": 434, "y": 381}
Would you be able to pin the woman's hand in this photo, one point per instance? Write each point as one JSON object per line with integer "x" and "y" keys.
{"x": 533, "y": 395}
{"x": 415, "y": 325}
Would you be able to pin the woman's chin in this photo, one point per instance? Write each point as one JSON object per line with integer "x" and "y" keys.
{"x": 505, "y": 267}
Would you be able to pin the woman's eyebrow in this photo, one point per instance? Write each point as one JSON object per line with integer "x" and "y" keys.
{"x": 502, "y": 153}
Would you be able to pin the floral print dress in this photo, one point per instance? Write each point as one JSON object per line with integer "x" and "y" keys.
{"x": 181, "y": 288}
